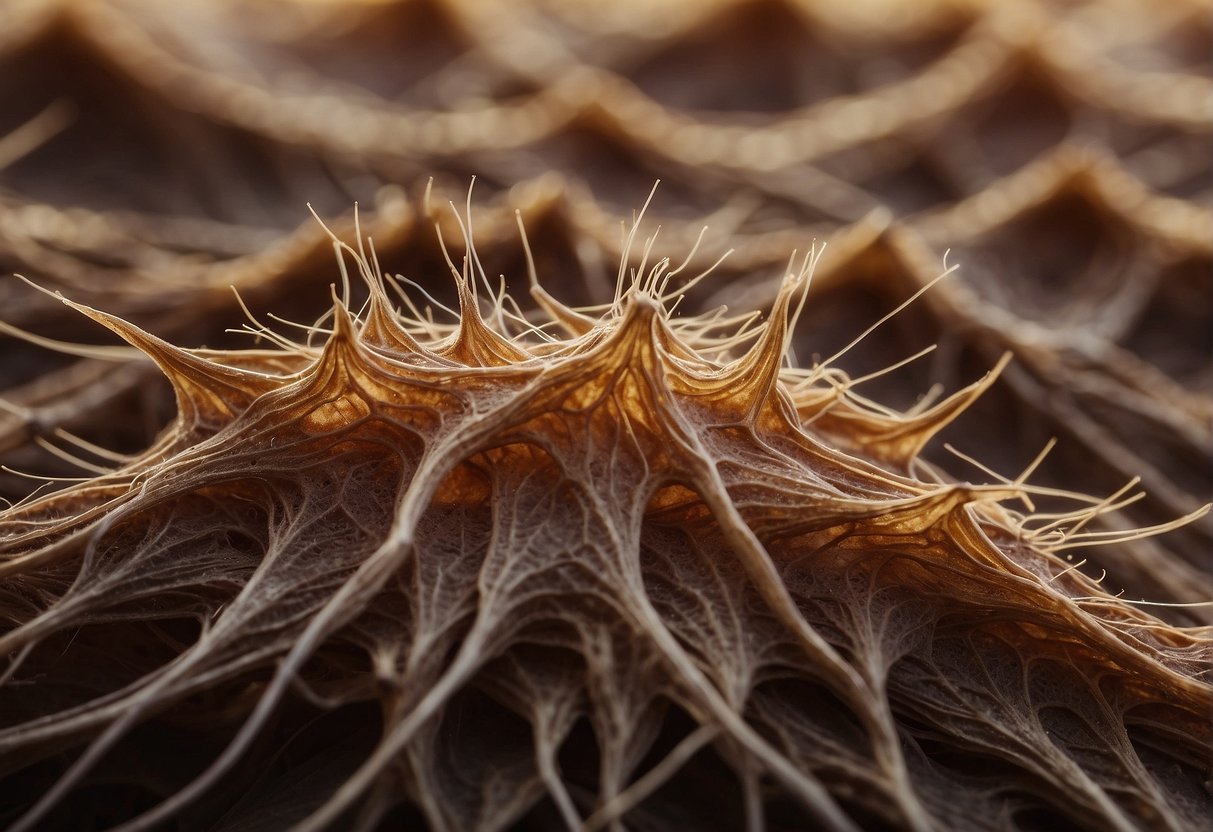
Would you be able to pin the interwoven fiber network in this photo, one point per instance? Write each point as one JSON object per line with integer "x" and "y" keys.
{"x": 639, "y": 535}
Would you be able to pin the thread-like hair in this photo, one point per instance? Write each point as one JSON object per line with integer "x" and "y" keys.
{"x": 613, "y": 569}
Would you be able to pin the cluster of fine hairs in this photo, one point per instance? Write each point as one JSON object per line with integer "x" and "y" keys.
{"x": 618, "y": 569}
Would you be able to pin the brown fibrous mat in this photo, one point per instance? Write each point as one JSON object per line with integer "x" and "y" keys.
{"x": 858, "y": 482}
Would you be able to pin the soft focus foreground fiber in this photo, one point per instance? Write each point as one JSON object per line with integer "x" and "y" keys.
{"x": 579, "y": 548}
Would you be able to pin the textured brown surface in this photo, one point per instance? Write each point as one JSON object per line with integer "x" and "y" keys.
{"x": 1060, "y": 151}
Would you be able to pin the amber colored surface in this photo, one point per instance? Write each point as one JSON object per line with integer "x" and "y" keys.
{"x": 580, "y": 550}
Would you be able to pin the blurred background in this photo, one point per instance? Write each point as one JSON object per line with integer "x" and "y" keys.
{"x": 153, "y": 155}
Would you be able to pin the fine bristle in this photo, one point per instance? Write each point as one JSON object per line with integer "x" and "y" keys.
{"x": 586, "y": 416}
{"x": 597, "y": 572}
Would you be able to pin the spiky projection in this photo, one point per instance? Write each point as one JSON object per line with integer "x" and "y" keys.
{"x": 638, "y": 575}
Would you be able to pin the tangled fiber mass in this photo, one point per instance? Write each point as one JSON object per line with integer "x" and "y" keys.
{"x": 451, "y": 559}
{"x": 613, "y": 527}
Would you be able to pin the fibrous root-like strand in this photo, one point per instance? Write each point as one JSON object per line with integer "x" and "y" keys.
{"x": 629, "y": 577}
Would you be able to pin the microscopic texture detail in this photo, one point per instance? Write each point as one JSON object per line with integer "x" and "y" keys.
{"x": 622, "y": 570}
{"x": 464, "y": 560}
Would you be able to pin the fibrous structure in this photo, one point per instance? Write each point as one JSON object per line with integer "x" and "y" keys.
{"x": 634, "y": 549}
{"x": 645, "y": 558}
